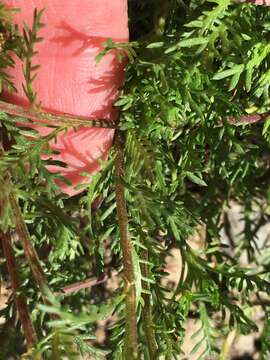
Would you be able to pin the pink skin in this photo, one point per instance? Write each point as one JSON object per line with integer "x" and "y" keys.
{"x": 260, "y": 2}
{"x": 69, "y": 79}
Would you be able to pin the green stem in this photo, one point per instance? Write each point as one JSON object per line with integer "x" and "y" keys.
{"x": 131, "y": 341}
{"x": 147, "y": 312}
{"x": 226, "y": 348}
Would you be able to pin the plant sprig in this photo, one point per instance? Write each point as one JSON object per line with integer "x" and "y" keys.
{"x": 30, "y": 71}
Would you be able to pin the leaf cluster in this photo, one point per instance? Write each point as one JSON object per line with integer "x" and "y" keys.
{"x": 195, "y": 65}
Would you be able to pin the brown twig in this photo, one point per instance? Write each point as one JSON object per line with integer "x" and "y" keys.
{"x": 86, "y": 284}
{"x": 29, "y": 251}
{"x": 43, "y": 117}
{"x": 24, "y": 238}
{"x": 54, "y": 119}
{"x": 25, "y": 319}
{"x": 23, "y": 234}
{"x": 131, "y": 342}
{"x": 24, "y": 316}
{"x": 248, "y": 119}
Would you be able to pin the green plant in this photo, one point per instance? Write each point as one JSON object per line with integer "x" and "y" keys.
{"x": 186, "y": 147}
{"x": 31, "y": 38}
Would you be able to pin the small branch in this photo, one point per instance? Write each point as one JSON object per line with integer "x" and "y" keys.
{"x": 249, "y": 119}
{"x": 226, "y": 348}
{"x": 86, "y": 284}
{"x": 147, "y": 312}
{"x": 54, "y": 119}
{"x": 29, "y": 251}
{"x": 47, "y": 118}
{"x": 24, "y": 316}
{"x": 23, "y": 234}
{"x": 31, "y": 39}
{"x": 131, "y": 342}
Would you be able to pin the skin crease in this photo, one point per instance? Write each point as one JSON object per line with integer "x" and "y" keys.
{"x": 69, "y": 79}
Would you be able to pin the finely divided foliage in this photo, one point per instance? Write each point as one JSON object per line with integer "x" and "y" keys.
{"x": 198, "y": 73}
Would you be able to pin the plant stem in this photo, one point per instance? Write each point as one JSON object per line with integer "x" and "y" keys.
{"x": 86, "y": 284}
{"x": 226, "y": 348}
{"x": 44, "y": 117}
{"x": 25, "y": 319}
{"x": 131, "y": 342}
{"x": 24, "y": 235}
{"x": 29, "y": 251}
{"x": 54, "y": 119}
{"x": 147, "y": 312}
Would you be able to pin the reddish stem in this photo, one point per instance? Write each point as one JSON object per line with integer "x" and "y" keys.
{"x": 24, "y": 316}
{"x": 43, "y": 117}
